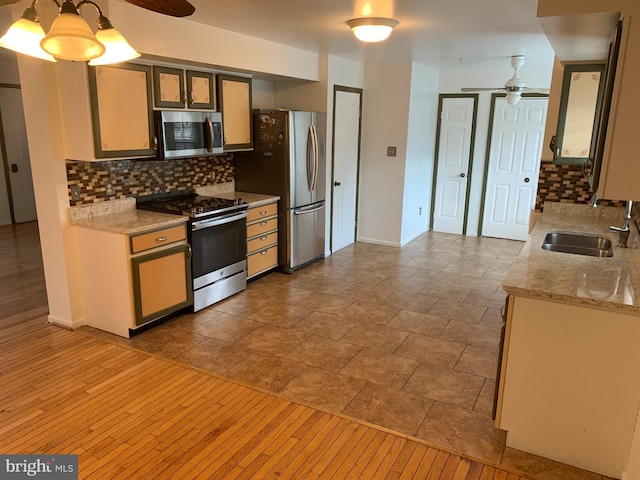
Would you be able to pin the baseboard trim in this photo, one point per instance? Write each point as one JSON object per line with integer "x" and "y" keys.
{"x": 64, "y": 323}
{"x": 379, "y": 242}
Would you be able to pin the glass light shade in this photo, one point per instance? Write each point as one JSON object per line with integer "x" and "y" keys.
{"x": 513, "y": 98}
{"x": 70, "y": 38}
{"x": 372, "y": 29}
{"x": 24, "y": 36}
{"x": 117, "y": 48}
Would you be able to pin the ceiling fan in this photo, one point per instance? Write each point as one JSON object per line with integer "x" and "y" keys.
{"x": 174, "y": 8}
{"x": 514, "y": 87}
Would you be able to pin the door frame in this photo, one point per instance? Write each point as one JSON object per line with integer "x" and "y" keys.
{"x": 359, "y": 91}
{"x": 494, "y": 97}
{"x": 5, "y": 160}
{"x": 434, "y": 180}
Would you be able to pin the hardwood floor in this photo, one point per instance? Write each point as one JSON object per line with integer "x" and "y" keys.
{"x": 129, "y": 414}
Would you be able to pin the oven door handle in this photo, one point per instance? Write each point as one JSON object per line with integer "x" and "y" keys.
{"x": 214, "y": 222}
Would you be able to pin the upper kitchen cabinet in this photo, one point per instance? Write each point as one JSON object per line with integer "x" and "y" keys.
{"x": 620, "y": 172}
{"x": 169, "y": 88}
{"x": 234, "y": 101}
{"x": 121, "y": 110}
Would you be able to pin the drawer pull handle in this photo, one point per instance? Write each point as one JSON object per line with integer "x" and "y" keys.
{"x": 263, "y": 212}
{"x": 263, "y": 252}
{"x": 263, "y": 223}
{"x": 263, "y": 238}
{"x": 162, "y": 239}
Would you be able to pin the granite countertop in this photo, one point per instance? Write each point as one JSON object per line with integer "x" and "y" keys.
{"x": 121, "y": 216}
{"x": 609, "y": 283}
{"x": 227, "y": 190}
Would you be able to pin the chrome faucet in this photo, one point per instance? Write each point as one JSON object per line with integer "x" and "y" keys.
{"x": 594, "y": 200}
{"x": 624, "y": 230}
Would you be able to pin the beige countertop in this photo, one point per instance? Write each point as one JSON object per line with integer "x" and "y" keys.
{"x": 252, "y": 199}
{"x": 610, "y": 283}
{"x": 121, "y": 216}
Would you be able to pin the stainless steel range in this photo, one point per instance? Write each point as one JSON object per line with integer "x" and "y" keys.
{"x": 218, "y": 238}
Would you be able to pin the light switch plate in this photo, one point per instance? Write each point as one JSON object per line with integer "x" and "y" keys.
{"x": 391, "y": 151}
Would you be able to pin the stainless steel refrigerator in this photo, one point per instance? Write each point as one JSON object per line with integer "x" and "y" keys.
{"x": 289, "y": 160}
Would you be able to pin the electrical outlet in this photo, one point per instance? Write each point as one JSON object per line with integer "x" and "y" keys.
{"x": 75, "y": 193}
{"x": 109, "y": 189}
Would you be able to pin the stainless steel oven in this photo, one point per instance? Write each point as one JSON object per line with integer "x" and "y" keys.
{"x": 219, "y": 257}
{"x": 217, "y": 233}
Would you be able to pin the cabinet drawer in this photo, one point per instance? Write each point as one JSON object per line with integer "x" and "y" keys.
{"x": 262, "y": 242}
{"x": 262, "y": 227}
{"x": 262, "y": 260}
{"x": 262, "y": 212}
{"x": 157, "y": 238}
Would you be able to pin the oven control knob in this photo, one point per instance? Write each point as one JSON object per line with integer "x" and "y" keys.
{"x": 239, "y": 201}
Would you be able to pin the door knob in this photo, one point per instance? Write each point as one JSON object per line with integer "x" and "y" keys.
{"x": 526, "y": 180}
{"x": 462, "y": 175}
{"x": 14, "y": 167}
{"x": 336, "y": 184}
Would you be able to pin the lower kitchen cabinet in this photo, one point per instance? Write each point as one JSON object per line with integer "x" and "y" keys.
{"x": 262, "y": 239}
{"x": 130, "y": 280}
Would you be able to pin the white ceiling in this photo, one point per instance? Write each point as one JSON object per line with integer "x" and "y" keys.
{"x": 435, "y": 33}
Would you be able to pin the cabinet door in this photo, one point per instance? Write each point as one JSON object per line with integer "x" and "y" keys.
{"x": 161, "y": 283}
{"x": 121, "y": 110}
{"x": 200, "y": 90}
{"x": 168, "y": 87}
{"x": 234, "y": 101}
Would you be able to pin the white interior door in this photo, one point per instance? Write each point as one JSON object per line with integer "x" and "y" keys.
{"x": 456, "y": 124}
{"x": 346, "y": 137}
{"x": 17, "y": 155}
{"x": 514, "y": 166}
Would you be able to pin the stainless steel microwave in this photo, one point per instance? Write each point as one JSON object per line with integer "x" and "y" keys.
{"x": 184, "y": 134}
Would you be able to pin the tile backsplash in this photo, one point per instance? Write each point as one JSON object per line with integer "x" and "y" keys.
{"x": 100, "y": 181}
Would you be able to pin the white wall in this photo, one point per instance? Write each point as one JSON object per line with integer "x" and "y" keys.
{"x": 423, "y": 105}
{"x": 384, "y": 123}
{"x": 451, "y": 81}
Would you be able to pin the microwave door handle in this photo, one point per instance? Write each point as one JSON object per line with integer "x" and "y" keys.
{"x": 210, "y": 125}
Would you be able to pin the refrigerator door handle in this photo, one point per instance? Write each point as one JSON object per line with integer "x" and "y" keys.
{"x": 314, "y": 180}
{"x": 310, "y": 158}
{"x": 311, "y": 210}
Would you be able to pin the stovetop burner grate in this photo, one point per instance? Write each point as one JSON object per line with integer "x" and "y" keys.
{"x": 189, "y": 204}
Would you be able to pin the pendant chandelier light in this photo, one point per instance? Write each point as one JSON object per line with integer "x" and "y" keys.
{"x": 70, "y": 37}
{"x": 372, "y": 29}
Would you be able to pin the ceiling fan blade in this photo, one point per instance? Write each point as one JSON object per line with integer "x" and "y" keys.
{"x": 173, "y": 8}
{"x": 8, "y": 2}
{"x": 471, "y": 89}
{"x": 536, "y": 90}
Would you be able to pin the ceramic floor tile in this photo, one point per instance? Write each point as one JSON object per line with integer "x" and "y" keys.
{"x": 282, "y": 314}
{"x": 193, "y": 320}
{"x": 478, "y": 361}
{"x": 486, "y": 299}
{"x": 492, "y": 318}
{"x": 322, "y": 388}
{"x": 415, "y": 303}
{"x": 324, "y": 353}
{"x": 448, "y": 292}
{"x": 365, "y": 312}
{"x": 326, "y": 325}
{"x": 458, "y": 311}
{"x": 434, "y": 351}
{"x": 375, "y": 337}
{"x": 266, "y": 371}
{"x": 544, "y": 469}
{"x": 484, "y": 404}
{"x": 241, "y": 305}
{"x": 389, "y": 408}
{"x": 272, "y": 339}
{"x": 420, "y": 323}
{"x": 402, "y": 284}
{"x": 363, "y": 293}
{"x": 322, "y": 302}
{"x": 364, "y": 278}
{"x": 464, "y": 431}
{"x": 167, "y": 341}
{"x": 475, "y": 283}
{"x": 436, "y": 276}
{"x": 445, "y": 385}
{"x": 380, "y": 368}
{"x": 214, "y": 356}
{"x": 461, "y": 267}
{"x": 470, "y": 334}
{"x": 328, "y": 285}
{"x": 228, "y": 328}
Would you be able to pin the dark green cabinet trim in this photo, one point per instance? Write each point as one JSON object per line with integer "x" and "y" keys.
{"x": 157, "y": 92}
{"x": 230, "y": 147}
{"x": 191, "y": 74}
{"x": 95, "y": 114}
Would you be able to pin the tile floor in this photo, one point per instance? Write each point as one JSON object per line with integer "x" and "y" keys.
{"x": 403, "y": 338}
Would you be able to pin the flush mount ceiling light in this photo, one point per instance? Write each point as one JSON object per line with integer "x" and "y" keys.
{"x": 372, "y": 29}
{"x": 70, "y": 37}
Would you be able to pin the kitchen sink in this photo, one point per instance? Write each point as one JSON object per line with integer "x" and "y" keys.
{"x": 578, "y": 243}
